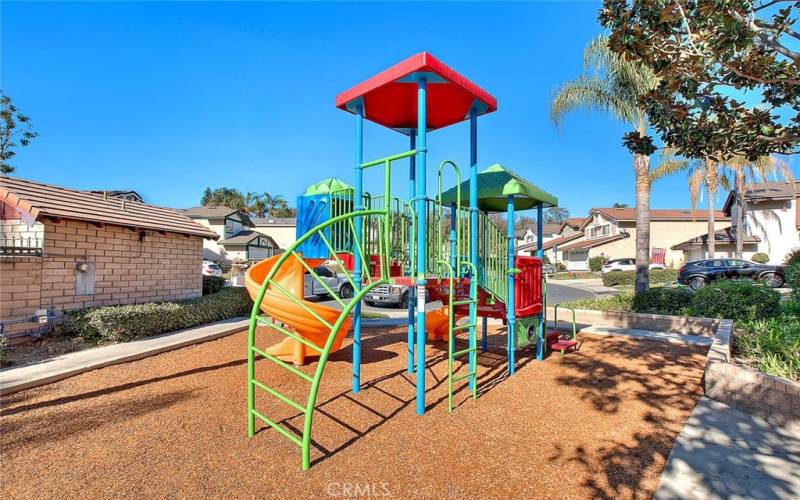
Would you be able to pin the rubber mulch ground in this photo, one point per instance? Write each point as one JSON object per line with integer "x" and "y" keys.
{"x": 597, "y": 423}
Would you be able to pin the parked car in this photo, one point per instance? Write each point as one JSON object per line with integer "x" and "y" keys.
{"x": 625, "y": 265}
{"x": 335, "y": 281}
{"x": 211, "y": 269}
{"x": 393, "y": 295}
{"x": 700, "y": 273}
{"x": 549, "y": 269}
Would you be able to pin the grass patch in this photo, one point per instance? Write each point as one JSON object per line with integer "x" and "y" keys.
{"x": 572, "y": 275}
{"x": 621, "y": 302}
{"x": 373, "y": 315}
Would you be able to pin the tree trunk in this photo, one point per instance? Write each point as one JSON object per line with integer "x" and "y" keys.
{"x": 739, "y": 213}
{"x": 711, "y": 188}
{"x": 641, "y": 167}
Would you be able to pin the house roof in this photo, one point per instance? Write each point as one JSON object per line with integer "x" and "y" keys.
{"x": 765, "y": 191}
{"x": 118, "y": 193}
{"x": 595, "y": 242}
{"x": 552, "y": 243}
{"x": 551, "y": 228}
{"x": 274, "y": 221}
{"x": 573, "y": 222}
{"x": 245, "y": 237}
{"x": 45, "y": 200}
{"x": 628, "y": 214}
{"x": 725, "y": 235}
{"x": 216, "y": 212}
{"x": 390, "y": 97}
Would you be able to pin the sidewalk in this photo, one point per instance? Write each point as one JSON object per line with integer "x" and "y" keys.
{"x": 592, "y": 285}
{"x": 725, "y": 453}
{"x": 73, "y": 363}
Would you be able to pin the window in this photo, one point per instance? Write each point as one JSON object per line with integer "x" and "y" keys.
{"x": 603, "y": 230}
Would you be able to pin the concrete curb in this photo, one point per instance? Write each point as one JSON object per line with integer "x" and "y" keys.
{"x": 672, "y": 338}
{"x": 74, "y": 363}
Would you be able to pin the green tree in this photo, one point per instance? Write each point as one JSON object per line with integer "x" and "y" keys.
{"x": 555, "y": 215}
{"x": 275, "y": 205}
{"x": 707, "y": 56}
{"x": 619, "y": 205}
{"x": 611, "y": 85}
{"x": 16, "y": 131}
{"x": 225, "y": 197}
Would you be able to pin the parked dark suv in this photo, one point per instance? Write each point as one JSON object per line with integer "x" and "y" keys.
{"x": 699, "y": 273}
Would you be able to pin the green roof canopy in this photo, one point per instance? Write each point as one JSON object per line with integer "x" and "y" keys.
{"x": 326, "y": 186}
{"x": 495, "y": 184}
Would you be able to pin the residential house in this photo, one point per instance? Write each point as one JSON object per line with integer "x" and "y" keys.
{"x": 771, "y": 219}
{"x": 527, "y": 245}
{"x": 68, "y": 249}
{"x": 129, "y": 195}
{"x": 725, "y": 245}
{"x": 611, "y": 233}
{"x": 281, "y": 229}
{"x": 237, "y": 238}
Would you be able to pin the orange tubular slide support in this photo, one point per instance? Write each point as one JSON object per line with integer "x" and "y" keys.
{"x": 284, "y": 310}
{"x": 436, "y": 323}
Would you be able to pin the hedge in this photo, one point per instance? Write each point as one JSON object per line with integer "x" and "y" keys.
{"x": 596, "y": 263}
{"x": 736, "y": 301}
{"x": 760, "y": 258}
{"x": 793, "y": 279}
{"x": 123, "y": 323}
{"x": 617, "y": 278}
{"x": 212, "y": 284}
{"x": 672, "y": 301}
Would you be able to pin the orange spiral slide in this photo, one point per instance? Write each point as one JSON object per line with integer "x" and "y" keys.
{"x": 436, "y": 323}
{"x": 281, "y": 308}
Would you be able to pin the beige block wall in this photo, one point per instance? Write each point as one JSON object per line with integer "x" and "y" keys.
{"x": 127, "y": 270}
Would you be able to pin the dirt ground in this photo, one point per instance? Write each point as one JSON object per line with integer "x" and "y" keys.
{"x": 596, "y": 423}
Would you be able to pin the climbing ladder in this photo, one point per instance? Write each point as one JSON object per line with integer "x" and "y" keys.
{"x": 272, "y": 290}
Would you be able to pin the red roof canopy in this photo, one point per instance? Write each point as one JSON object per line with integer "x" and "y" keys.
{"x": 390, "y": 97}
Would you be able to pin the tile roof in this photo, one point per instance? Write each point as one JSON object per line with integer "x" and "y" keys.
{"x": 45, "y": 200}
{"x": 595, "y": 242}
{"x": 656, "y": 214}
{"x": 551, "y": 228}
{"x": 245, "y": 237}
{"x": 552, "y": 243}
{"x": 766, "y": 191}
{"x": 573, "y": 222}
{"x": 725, "y": 235}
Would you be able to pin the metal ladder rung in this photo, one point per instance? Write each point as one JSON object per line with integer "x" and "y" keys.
{"x": 465, "y": 302}
{"x": 296, "y": 440}
{"x": 297, "y": 406}
{"x": 464, "y": 327}
{"x": 289, "y": 334}
{"x": 462, "y": 377}
{"x": 283, "y": 364}
{"x": 464, "y": 351}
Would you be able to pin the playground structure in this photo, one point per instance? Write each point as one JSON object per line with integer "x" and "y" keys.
{"x": 443, "y": 248}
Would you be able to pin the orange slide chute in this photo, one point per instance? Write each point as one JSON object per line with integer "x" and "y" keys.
{"x": 436, "y": 323}
{"x": 283, "y": 309}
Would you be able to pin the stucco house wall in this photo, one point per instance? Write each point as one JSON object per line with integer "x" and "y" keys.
{"x": 775, "y": 223}
{"x": 284, "y": 236}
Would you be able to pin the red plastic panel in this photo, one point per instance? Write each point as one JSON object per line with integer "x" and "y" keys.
{"x": 528, "y": 286}
{"x": 390, "y": 99}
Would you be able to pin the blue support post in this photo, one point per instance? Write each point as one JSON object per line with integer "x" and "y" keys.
{"x": 510, "y": 305}
{"x": 357, "y": 278}
{"x": 540, "y": 341}
{"x": 422, "y": 126}
{"x": 412, "y": 167}
{"x": 473, "y": 243}
{"x": 453, "y": 243}
{"x": 484, "y": 339}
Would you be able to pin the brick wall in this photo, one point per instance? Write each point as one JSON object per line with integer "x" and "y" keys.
{"x": 775, "y": 399}
{"x": 127, "y": 270}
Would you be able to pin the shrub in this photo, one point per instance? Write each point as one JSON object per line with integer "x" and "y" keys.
{"x": 212, "y": 284}
{"x": 596, "y": 263}
{"x": 790, "y": 308}
{"x": 770, "y": 345}
{"x": 737, "y": 301}
{"x": 560, "y": 267}
{"x": 793, "y": 257}
{"x": 122, "y": 323}
{"x": 793, "y": 279}
{"x": 760, "y": 258}
{"x": 672, "y": 301}
{"x": 617, "y": 278}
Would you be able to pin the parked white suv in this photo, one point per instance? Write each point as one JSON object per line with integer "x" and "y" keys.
{"x": 625, "y": 265}
{"x": 211, "y": 269}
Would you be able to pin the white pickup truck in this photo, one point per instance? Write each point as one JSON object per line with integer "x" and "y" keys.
{"x": 336, "y": 282}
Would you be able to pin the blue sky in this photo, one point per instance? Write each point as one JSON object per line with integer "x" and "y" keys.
{"x": 170, "y": 98}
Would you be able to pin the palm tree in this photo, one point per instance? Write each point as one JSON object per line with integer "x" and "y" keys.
{"x": 274, "y": 203}
{"x": 710, "y": 175}
{"x": 255, "y": 204}
{"x": 611, "y": 85}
